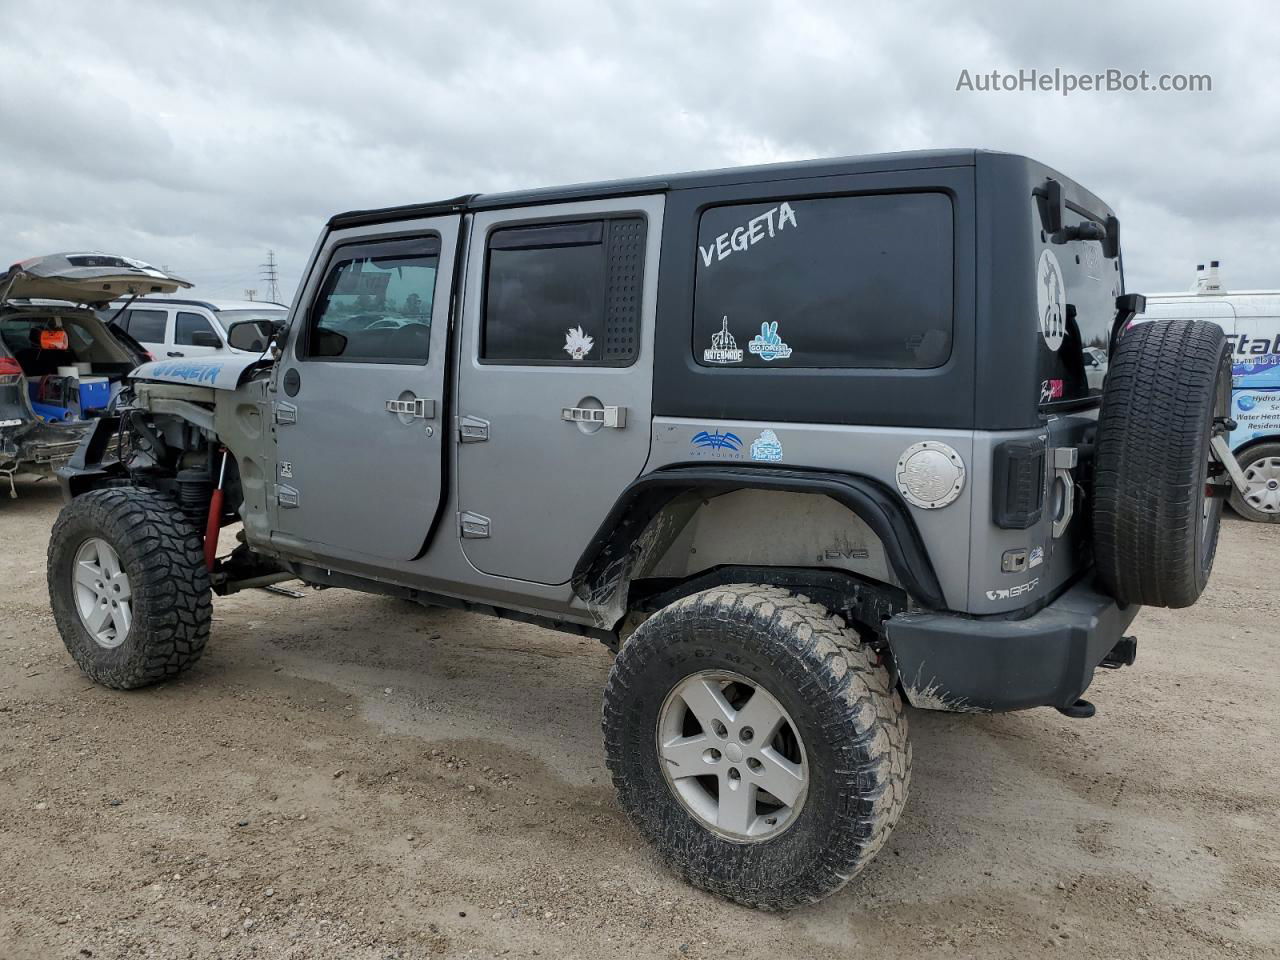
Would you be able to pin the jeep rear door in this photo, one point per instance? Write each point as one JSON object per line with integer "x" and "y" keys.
{"x": 359, "y": 394}
{"x": 555, "y": 378}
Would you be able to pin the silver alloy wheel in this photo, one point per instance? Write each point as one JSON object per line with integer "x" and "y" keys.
{"x": 732, "y": 756}
{"x": 101, "y": 588}
{"x": 1263, "y": 476}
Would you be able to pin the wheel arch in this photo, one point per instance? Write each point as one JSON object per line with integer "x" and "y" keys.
{"x": 609, "y": 562}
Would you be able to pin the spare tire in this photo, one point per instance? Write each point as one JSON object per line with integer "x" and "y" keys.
{"x": 1155, "y": 530}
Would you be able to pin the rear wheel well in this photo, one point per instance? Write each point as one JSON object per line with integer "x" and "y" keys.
{"x": 635, "y": 538}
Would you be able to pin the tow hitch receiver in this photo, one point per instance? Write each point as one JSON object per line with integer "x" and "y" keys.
{"x": 1123, "y": 654}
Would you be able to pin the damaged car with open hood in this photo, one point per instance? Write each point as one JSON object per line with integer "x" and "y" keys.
{"x": 61, "y": 366}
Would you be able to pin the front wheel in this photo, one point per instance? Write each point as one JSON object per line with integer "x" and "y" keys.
{"x": 757, "y": 744}
{"x": 128, "y": 586}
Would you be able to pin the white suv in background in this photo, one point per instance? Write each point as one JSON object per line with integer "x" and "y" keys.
{"x": 179, "y": 327}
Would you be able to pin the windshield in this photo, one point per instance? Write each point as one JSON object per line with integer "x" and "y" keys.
{"x": 228, "y": 317}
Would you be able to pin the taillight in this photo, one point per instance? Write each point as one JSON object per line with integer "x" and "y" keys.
{"x": 10, "y": 372}
{"x": 1017, "y": 489}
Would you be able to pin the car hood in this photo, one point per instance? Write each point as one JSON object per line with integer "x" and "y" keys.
{"x": 89, "y": 278}
{"x": 220, "y": 373}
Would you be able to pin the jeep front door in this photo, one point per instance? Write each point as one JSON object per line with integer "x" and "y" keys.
{"x": 359, "y": 395}
{"x": 555, "y": 378}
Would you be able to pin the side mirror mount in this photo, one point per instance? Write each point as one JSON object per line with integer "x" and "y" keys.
{"x": 205, "y": 338}
{"x": 253, "y": 335}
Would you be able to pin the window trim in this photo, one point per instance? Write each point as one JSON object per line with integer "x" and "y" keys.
{"x": 214, "y": 327}
{"x": 695, "y": 352}
{"x": 550, "y": 223}
{"x": 405, "y": 245}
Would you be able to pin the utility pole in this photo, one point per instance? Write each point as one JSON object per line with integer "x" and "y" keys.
{"x": 250, "y": 294}
{"x": 270, "y": 277}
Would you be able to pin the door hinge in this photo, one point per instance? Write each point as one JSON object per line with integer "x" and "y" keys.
{"x": 286, "y": 496}
{"x": 472, "y": 430}
{"x": 472, "y": 526}
{"x": 285, "y": 412}
{"x": 615, "y": 417}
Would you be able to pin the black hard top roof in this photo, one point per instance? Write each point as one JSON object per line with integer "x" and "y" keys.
{"x": 871, "y": 163}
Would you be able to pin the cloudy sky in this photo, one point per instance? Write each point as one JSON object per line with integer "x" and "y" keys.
{"x": 201, "y": 135}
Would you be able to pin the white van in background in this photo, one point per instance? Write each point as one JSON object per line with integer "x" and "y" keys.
{"x": 180, "y": 327}
{"x": 1251, "y": 321}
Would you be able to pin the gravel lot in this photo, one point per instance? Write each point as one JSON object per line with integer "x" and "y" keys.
{"x": 351, "y": 776}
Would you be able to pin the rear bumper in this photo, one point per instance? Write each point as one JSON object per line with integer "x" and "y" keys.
{"x": 951, "y": 662}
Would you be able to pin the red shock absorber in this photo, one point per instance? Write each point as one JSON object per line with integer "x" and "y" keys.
{"x": 215, "y": 517}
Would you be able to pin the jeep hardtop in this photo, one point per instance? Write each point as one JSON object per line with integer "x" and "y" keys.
{"x": 802, "y": 443}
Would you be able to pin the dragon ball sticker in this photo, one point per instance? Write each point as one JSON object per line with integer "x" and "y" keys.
{"x": 577, "y": 344}
{"x": 1051, "y": 300}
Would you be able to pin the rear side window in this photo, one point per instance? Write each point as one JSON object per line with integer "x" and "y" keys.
{"x": 834, "y": 282}
{"x": 375, "y": 305}
{"x": 566, "y": 293}
{"x": 193, "y": 330}
{"x": 146, "y": 326}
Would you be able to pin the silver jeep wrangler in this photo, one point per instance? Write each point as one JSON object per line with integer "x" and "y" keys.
{"x": 802, "y": 443}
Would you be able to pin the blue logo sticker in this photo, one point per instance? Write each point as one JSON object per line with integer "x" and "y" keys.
{"x": 767, "y": 344}
{"x": 1246, "y": 401}
{"x": 717, "y": 441}
{"x": 766, "y": 447}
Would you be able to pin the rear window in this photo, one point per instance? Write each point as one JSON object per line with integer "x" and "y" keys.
{"x": 1076, "y": 290}
{"x": 860, "y": 281}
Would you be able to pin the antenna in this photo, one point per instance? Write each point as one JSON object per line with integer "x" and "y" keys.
{"x": 250, "y": 294}
{"x": 271, "y": 277}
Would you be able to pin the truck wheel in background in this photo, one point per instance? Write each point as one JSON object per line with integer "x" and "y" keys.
{"x": 757, "y": 744}
{"x": 1155, "y": 531}
{"x": 128, "y": 586}
{"x": 1261, "y": 466}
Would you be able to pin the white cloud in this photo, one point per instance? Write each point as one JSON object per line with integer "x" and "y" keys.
{"x": 201, "y": 135}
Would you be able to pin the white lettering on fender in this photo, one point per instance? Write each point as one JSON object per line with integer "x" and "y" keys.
{"x": 767, "y": 224}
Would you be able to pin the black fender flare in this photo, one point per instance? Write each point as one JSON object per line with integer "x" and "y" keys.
{"x": 90, "y": 466}
{"x": 878, "y": 506}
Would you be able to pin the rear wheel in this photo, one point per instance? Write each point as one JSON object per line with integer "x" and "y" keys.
{"x": 1155, "y": 528}
{"x": 1261, "y": 501}
{"x": 757, "y": 744}
{"x": 128, "y": 586}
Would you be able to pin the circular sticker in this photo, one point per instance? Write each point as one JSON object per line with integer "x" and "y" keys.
{"x": 1051, "y": 298}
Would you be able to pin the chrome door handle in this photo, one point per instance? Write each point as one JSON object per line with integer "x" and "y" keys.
{"x": 615, "y": 417}
{"x": 419, "y": 408}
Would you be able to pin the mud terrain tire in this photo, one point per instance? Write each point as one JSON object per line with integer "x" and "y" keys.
{"x": 160, "y": 552}
{"x": 851, "y": 722}
{"x": 1155, "y": 531}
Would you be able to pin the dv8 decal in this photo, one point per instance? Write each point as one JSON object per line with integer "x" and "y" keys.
{"x": 766, "y": 448}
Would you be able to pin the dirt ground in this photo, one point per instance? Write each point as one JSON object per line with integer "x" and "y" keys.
{"x": 351, "y": 776}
